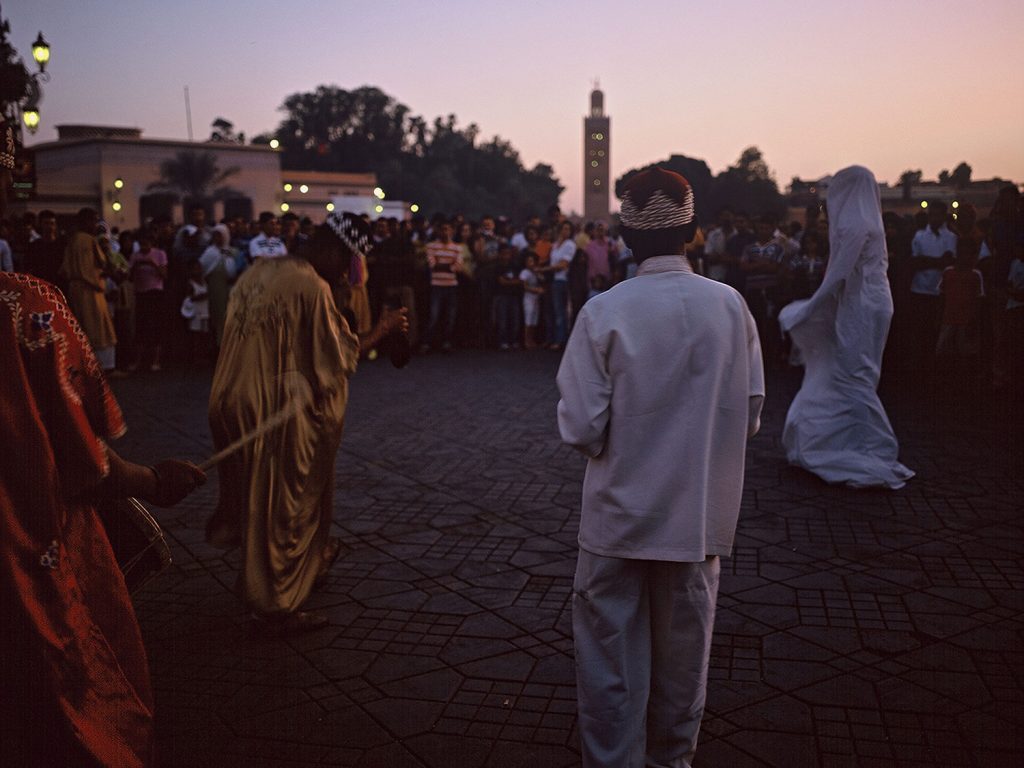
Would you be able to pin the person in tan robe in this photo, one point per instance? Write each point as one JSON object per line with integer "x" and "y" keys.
{"x": 285, "y": 346}
{"x": 84, "y": 268}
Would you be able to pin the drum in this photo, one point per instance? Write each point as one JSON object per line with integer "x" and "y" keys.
{"x": 137, "y": 541}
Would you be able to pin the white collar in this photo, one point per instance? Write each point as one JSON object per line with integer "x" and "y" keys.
{"x": 657, "y": 264}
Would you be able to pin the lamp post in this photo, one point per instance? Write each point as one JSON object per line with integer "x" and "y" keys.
{"x": 21, "y": 90}
{"x": 20, "y": 94}
{"x": 34, "y": 91}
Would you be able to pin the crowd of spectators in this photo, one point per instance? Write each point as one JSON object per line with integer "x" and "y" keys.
{"x": 957, "y": 279}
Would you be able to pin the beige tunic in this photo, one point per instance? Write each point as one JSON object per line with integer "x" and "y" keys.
{"x": 84, "y": 263}
{"x": 283, "y": 338}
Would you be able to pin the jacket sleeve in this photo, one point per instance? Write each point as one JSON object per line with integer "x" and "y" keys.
{"x": 586, "y": 389}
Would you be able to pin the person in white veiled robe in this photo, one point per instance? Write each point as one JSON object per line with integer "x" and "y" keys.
{"x": 836, "y": 426}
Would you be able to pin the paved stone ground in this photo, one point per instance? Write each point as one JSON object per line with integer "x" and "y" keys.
{"x": 854, "y": 628}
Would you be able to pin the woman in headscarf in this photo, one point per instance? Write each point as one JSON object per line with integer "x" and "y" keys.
{"x": 218, "y": 264}
{"x": 836, "y": 426}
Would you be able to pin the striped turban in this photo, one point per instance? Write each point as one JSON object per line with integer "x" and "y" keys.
{"x": 656, "y": 199}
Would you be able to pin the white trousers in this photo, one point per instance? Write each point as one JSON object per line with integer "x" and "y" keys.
{"x": 642, "y": 631}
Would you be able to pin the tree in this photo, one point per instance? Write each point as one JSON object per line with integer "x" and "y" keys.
{"x": 961, "y": 176}
{"x": 943, "y": 177}
{"x": 224, "y": 130}
{"x": 693, "y": 170}
{"x": 337, "y": 130}
{"x": 909, "y": 180}
{"x": 748, "y": 186}
{"x": 440, "y": 165}
{"x": 195, "y": 177}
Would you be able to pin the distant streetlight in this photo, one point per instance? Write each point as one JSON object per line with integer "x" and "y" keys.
{"x": 414, "y": 208}
{"x": 924, "y": 203}
{"x": 956, "y": 204}
{"x": 274, "y": 143}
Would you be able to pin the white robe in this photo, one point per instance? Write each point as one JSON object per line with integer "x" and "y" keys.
{"x": 836, "y": 426}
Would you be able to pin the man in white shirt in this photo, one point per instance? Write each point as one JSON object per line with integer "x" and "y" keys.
{"x": 932, "y": 250}
{"x": 268, "y": 243}
{"x": 714, "y": 246}
{"x": 661, "y": 385}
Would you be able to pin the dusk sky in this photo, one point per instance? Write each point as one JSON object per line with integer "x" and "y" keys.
{"x": 816, "y": 85}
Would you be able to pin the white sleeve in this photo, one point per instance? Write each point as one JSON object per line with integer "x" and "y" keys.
{"x": 586, "y": 389}
{"x": 755, "y": 391}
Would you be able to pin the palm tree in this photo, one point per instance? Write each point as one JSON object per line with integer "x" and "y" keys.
{"x": 195, "y": 177}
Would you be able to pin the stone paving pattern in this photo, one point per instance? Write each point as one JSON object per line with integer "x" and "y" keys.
{"x": 854, "y": 628}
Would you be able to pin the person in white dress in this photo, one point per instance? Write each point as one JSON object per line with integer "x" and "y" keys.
{"x": 836, "y": 426}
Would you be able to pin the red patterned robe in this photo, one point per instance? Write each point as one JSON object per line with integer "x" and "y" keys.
{"x": 74, "y": 683}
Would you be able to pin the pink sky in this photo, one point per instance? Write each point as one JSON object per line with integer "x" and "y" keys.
{"x": 815, "y": 85}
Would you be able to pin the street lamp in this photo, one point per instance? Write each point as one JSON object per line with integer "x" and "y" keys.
{"x": 41, "y": 52}
{"x": 30, "y": 116}
{"x": 27, "y": 92}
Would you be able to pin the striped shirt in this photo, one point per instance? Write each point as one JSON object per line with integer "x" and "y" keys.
{"x": 445, "y": 260}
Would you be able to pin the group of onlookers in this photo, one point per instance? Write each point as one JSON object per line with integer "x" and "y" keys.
{"x": 957, "y": 282}
{"x": 956, "y": 279}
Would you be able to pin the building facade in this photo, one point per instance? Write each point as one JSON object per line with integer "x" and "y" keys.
{"x": 596, "y": 159}
{"x": 117, "y": 172}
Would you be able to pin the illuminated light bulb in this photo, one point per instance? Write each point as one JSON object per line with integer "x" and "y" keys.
{"x": 41, "y": 52}
{"x": 285, "y": 207}
{"x": 287, "y": 187}
{"x": 330, "y": 207}
{"x": 31, "y": 119}
{"x": 274, "y": 143}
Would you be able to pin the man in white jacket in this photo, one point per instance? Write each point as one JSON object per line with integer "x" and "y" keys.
{"x": 661, "y": 384}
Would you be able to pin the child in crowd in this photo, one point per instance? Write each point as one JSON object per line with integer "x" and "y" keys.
{"x": 508, "y": 299}
{"x": 962, "y": 289}
{"x": 196, "y": 310}
{"x": 532, "y": 291}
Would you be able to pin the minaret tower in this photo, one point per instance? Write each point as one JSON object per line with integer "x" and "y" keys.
{"x": 596, "y": 156}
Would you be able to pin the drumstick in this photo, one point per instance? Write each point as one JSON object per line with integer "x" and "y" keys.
{"x": 277, "y": 420}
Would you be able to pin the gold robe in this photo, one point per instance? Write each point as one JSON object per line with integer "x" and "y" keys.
{"x": 83, "y": 268}
{"x": 283, "y": 338}
{"x": 359, "y": 300}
